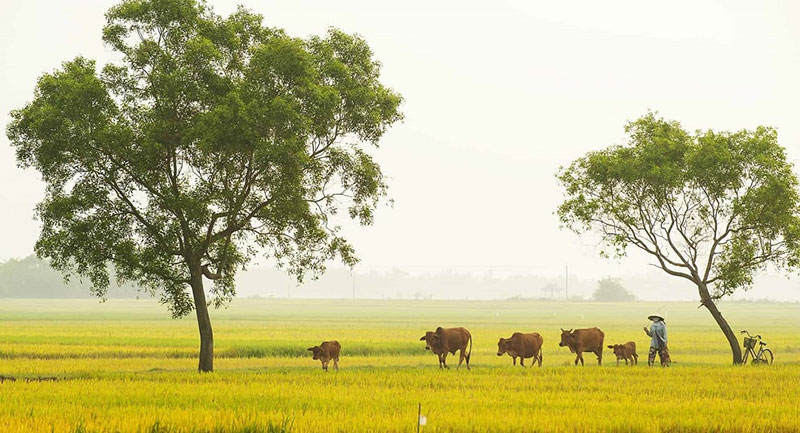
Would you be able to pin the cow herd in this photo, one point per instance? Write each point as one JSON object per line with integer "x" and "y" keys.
{"x": 444, "y": 341}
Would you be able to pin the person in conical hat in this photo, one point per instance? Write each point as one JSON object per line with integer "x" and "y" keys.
{"x": 658, "y": 340}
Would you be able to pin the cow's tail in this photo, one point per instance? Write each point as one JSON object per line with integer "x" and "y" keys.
{"x": 469, "y": 353}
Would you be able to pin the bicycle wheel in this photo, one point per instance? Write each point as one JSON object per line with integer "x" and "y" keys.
{"x": 767, "y": 357}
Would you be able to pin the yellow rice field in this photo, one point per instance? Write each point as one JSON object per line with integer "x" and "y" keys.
{"x": 125, "y": 366}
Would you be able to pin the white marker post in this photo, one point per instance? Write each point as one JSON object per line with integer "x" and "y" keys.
{"x": 421, "y": 420}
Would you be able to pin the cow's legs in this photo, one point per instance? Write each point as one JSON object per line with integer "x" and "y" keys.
{"x": 626, "y": 361}
{"x": 635, "y": 359}
{"x": 336, "y": 364}
{"x": 443, "y": 360}
{"x": 461, "y": 358}
{"x": 579, "y": 358}
{"x": 440, "y": 360}
{"x": 515, "y": 359}
{"x": 599, "y": 354}
{"x": 522, "y": 361}
{"x": 324, "y": 366}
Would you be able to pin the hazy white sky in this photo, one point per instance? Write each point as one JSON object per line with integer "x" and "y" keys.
{"x": 497, "y": 95}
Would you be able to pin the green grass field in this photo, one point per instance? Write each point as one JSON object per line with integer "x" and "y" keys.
{"x": 126, "y": 366}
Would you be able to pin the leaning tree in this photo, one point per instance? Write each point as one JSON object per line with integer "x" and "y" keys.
{"x": 711, "y": 207}
{"x": 212, "y": 141}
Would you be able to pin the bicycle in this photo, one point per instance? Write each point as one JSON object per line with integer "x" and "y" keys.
{"x": 764, "y": 356}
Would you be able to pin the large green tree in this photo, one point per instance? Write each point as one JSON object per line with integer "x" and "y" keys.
{"x": 710, "y": 207}
{"x": 213, "y": 140}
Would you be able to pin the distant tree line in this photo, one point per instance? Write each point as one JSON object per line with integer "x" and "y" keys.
{"x": 31, "y": 277}
{"x": 34, "y": 278}
{"x": 399, "y": 284}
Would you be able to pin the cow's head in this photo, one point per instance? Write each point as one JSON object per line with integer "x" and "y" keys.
{"x": 316, "y": 352}
{"x": 566, "y": 337}
{"x": 618, "y": 349}
{"x": 502, "y": 346}
{"x": 428, "y": 339}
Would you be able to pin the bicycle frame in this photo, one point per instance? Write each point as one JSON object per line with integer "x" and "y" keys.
{"x": 752, "y": 354}
{"x": 751, "y": 350}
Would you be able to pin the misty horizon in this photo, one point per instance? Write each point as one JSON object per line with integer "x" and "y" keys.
{"x": 397, "y": 283}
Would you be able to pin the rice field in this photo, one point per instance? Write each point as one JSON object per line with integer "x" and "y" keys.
{"x": 126, "y": 366}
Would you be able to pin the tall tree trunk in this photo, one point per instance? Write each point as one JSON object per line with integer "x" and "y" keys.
{"x": 705, "y": 298}
{"x": 203, "y": 322}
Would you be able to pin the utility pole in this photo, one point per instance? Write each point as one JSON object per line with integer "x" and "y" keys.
{"x": 566, "y": 282}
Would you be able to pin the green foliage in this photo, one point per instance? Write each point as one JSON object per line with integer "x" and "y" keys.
{"x": 611, "y": 290}
{"x": 711, "y": 207}
{"x": 213, "y": 140}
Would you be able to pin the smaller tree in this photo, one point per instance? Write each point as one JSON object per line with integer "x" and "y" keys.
{"x": 611, "y": 290}
{"x": 712, "y": 208}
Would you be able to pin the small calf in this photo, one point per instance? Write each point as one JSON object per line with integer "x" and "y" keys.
{"x": 626, "y": 351}
{"x": 327, "y": 351}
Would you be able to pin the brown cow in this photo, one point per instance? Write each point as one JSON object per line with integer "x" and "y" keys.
{"x": 327, "y": 351}
{"x": 522, "y": 345}
{"x": 626, "y": 351}
{"x": 583, "y": 340}
{"x": 449, "y": 340}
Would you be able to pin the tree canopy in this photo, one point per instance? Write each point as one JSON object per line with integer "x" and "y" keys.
{"x": 213, "y": 140}
{"x": 713, "y": 208}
